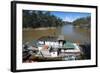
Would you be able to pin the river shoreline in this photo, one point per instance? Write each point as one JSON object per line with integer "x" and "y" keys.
{"x": 40, "y": 28}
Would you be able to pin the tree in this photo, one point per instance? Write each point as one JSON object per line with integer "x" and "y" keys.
{"x": 35, "y": 19}
{"x": 83, "y": 22}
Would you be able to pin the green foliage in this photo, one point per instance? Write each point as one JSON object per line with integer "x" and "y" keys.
{"x": 83, "y": 22}
{"x": 35, "y": 19}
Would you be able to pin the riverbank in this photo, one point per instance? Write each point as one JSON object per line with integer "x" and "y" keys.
{"x": 34, "y": 34}
{"x": 41, "y": 28}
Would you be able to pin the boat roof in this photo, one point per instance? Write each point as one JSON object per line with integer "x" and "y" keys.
{"x": 69, "y": 45}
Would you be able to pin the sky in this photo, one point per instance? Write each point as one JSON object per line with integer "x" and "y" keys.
{"x": 70, "y": 16}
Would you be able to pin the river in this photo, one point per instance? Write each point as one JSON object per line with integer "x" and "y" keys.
{"x": 70, "y": 33}
{"x": 75, "y": 34}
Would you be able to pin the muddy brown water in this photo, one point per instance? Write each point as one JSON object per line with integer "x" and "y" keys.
{"x": 69, "y": 32}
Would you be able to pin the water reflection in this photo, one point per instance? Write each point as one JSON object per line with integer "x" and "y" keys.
{"x": 75, "y": 34}
{"x": 67, "y": 30}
